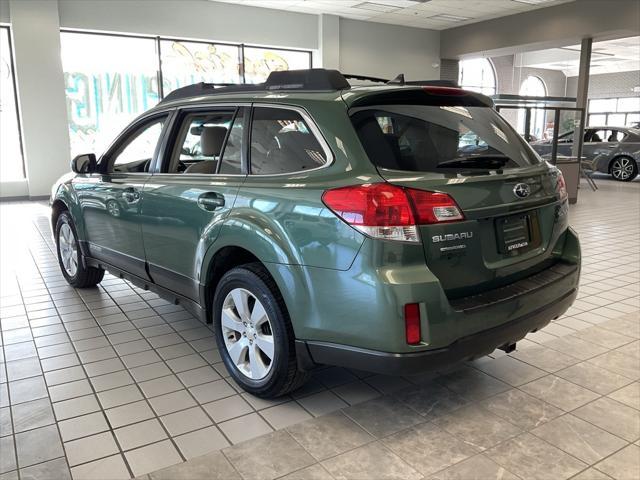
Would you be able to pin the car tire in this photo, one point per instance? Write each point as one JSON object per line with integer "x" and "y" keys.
{"x": 623, "y": 169}
{"x": 255, "y": 338}
{"x": 72, "y": 263}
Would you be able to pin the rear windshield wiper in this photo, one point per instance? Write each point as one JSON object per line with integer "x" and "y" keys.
{"x": 494, "y": 161}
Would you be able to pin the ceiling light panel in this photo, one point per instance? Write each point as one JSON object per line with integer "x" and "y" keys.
{"x": 449, "y": 18}
{"x": 532, "y": 2}
{"x": 376, "y": 7}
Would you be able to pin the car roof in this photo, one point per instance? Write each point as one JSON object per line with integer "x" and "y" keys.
{"x": 316, "y": 85}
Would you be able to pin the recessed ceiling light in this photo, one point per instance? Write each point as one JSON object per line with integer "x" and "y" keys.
{"x": 376, "y": 7}
{"x": 533, "y": 2}
{"x": 449, "y": 18}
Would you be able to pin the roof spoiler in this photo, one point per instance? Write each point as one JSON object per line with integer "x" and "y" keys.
{"x": 399, "y": 80}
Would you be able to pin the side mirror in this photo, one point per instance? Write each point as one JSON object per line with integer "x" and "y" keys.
{"x": 84, "y": 163}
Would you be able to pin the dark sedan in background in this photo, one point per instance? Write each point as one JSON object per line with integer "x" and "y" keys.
{"x": 612, "y": 150}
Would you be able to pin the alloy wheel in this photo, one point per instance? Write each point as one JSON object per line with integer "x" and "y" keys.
{"x": 622, "y": 168}
{"x": 247, "y": 332}
{"x": 68, "y": 249}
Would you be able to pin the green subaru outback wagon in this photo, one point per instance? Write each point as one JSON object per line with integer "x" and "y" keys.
{"x": 392, "y": 228}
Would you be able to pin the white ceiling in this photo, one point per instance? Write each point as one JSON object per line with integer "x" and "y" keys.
{"x": 432, "y": 14}
{"x": 610, "y": 56}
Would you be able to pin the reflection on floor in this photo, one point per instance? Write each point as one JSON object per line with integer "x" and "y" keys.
{"x": 114, "y": 382}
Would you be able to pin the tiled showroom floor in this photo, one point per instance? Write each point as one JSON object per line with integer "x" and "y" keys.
{"x": 114, "y": 382}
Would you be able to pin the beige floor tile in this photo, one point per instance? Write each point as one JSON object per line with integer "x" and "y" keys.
{"x": 559, "y": 392}
{"x": 521, "y": 409}
{"x": 212, "y": 466}
{"x": 613, "y": 417}
{"x": 535, "y": 459}
{"x": 281, "y": 416}
{"x": 383, "y": 416}
{"x": 619, "y": 363}
{"x": 581, "y": 439}
{"x": 329, "y": 435}
{"x": 477, "y": 427}
{"x": 479, "y": 467}
{"x": 244, "y": 428}
{"x": 428, "y": 448}
{"x": 370, "y": 461}
{"x": 268, "y": 457}
{"x": 629, "y": 395}
{"x": 623, "y": 465}
{"x": 152, "y": 457}
{"x": 594, "y": 378}
{"x": 509, "y": 370}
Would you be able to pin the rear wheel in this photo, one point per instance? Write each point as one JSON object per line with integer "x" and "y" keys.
{"x": 254, "y": 334}
{"x": 624, "y": 169}
{"x": 73, "y": 266}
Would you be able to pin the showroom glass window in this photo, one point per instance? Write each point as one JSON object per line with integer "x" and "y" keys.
{"x": 109, "y": 81}
{"x": 478, "y": 75}
{"x": 533, "y": 86}
{"x": 260, "y": 62}
{"x": 11, "y": 164}
{"x": 614, "y": 112}
{"x": 185, "y": 63}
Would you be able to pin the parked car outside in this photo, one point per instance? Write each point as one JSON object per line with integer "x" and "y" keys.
{"x": 390, "y": 228}
{"x": 611, "y": 150}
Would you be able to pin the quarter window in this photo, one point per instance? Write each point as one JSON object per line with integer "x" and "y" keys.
{"x": 135, "y": 155}
{"x": 282, "y": 142}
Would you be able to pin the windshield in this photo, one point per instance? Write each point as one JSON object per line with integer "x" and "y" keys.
{"x": 420, "y": 138}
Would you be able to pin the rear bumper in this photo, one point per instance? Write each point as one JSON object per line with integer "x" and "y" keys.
{"x": 465, "y": 348}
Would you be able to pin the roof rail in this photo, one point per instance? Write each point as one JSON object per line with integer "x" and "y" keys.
{"x": 318, "y": 79}
{"x": 313, "y": 79}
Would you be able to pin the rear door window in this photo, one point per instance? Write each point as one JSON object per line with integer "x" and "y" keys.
{"x": 283, "y": 142}
{"x": 422, "y": 138}
{"x": 200, "y": 142}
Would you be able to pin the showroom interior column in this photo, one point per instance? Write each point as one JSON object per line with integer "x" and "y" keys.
{"x": 583, "y": 92}
{"x": 40, "y": 81}
{"x": 329, "y": 41}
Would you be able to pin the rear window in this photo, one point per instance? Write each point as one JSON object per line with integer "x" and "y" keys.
{"x": 421, "y": 138}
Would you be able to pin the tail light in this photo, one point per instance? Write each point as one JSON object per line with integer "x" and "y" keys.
{"x": 389, "y": 212}
{"x": 412, "y": 323}
{"x": 561, "y": 187}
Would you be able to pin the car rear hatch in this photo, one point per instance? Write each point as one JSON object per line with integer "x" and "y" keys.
{"x": 450, "y": 142}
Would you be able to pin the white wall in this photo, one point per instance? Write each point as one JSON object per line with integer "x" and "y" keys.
{"x": 378, "y": 49}
{"x": 197, "y": 19}
{"x": 4, "y": 11}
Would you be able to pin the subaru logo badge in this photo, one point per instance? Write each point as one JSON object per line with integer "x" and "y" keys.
{"x": 521, "y": 190}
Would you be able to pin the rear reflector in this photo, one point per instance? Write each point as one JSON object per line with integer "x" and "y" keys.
{"x": 412, "y": 323}
{"x": 390, "y": 212}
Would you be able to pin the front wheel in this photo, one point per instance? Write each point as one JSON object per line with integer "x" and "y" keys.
{"x": 254, "y": 333}
{"x": 624, "y": 169}
{"x": 73, "y": 265}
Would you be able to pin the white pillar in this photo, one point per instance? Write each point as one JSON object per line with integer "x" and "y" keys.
{"x": 41, "y": 91}
{"x": 329, "y": 41}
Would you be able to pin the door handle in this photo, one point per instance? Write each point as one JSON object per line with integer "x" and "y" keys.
{"x": 209, "y": 201}
{"x": 130, "y": 194}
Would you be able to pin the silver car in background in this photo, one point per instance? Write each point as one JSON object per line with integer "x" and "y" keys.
{"x": 612, "y": 150}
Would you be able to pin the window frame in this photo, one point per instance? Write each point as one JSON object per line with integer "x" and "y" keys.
{"x": 607, "y": 113}
{"x": 313, "y": 128}
{"x": 105, "y": 162}
{"x": 475, "y": 87}
{"x": 12, "y": 66}
{"x": 172, "y": 135}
